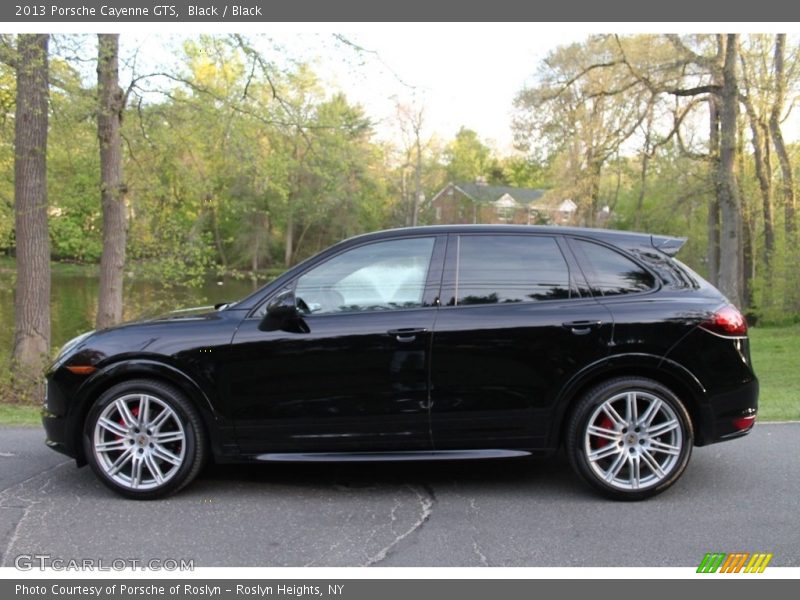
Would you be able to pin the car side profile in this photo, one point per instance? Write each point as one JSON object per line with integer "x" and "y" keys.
{"x": 444, "y": 342}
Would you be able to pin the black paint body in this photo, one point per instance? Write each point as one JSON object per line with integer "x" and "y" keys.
{"x": 436, "y": 377}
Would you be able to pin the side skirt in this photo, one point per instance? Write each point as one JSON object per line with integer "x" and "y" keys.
{"x": 389, "y": 456}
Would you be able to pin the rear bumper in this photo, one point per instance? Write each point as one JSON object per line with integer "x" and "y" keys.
{"x": 726, "y": 415}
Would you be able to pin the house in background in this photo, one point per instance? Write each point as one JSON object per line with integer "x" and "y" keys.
{"x": 479, "y": 202}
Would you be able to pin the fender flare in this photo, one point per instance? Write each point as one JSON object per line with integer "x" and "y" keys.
{"x": 130, "y": 368}
{"x": 646, "y": 365}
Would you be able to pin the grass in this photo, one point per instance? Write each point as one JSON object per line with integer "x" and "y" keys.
{"x": 776, "y": 358}
{"x": 8, "y": 266}
{"x": 20, "y": 414}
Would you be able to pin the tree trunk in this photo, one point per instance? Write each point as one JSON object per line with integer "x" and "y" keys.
{"x": 595, "y": 171}
{"x": 261, "y": 224}
{"x": 254, "y": 256}
{"x": 787, "y": 179}
{"x": 713, "y": 205}
{"x": 748, "y": 257}
{"x": 215, "y": 226}
{"x": 730, "y": 244}
{"x": 759, "y": 138}
{"x": 110, "y": 100}
{"x": 760, "y": 133}
{"x": 777, "y": 140}
{"x": 32, "y": 300}
{"x": 748, "y": 229}
{"x": 288, "y": 249}
{"x": 748, "y": 268}
{"x": 301, "y": 237}
{"x": 404, "y": 200}
{"x": 637, "y": 218}
{"x": 417, "y": 182}
{"x": 648, "y": 136}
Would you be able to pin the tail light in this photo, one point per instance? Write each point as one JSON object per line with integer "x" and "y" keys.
{"x": 742, "y": 423}
{"x": 745, "y": 420}
{"x": 727, "y": 321}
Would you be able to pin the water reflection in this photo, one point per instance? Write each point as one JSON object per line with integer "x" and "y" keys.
{"x": 73, "y": 302}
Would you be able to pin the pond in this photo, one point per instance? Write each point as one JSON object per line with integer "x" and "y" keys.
{"x": 73, "y": 301}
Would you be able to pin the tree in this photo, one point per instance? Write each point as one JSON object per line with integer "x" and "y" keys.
{"x": 775, "y": 119}
{"x": 7, "y": 100}
{"x": 756, "y": 109}
{"x": 73, "y": 165}
{"x": 522, "y": 171}
{"x": 719, "y": 81}
{"x": 32, "y": 302}
{"x": 467, "y": 158}
{"x": 730, "y": 243}
{"x": 770, "y": 69}
{"x": 706, "y": 68}
{"x": 110, "y": 104}
{"x": 411, "y": 120}
{"x": 584, "y": 106}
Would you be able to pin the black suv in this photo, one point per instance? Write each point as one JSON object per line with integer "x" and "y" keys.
{"x": 447, "y": 342}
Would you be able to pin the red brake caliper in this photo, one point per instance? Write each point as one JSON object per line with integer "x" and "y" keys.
{"x": 134, "y": 412}
{"x": 606, "y": 423}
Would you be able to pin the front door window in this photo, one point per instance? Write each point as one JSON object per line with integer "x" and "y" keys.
{"x": 382, "y": 276}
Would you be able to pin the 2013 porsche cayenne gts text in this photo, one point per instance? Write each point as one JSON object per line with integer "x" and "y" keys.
{"x": 445, "y": 342}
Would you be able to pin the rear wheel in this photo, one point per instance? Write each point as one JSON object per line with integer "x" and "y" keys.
{"x": 630, "y": 438}
{"x": 144, "y": 440}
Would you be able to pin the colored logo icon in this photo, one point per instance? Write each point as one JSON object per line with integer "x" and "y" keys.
{"x": 736, "y": 562}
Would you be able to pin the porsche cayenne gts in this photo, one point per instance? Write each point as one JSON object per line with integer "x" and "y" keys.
{"x": 427, "y": 343}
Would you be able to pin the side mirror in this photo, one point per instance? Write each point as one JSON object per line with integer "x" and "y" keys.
{"x": 283, "y": 306}
{"x": 284, "y": 314}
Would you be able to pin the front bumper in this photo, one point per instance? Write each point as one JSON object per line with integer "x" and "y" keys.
{"x": 55, "y": 429}
{"x": 54, "y": 420}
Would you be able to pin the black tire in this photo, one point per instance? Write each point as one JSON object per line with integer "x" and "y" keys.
{"x": 620, "y": 453}
{"x": 184, "y": 439}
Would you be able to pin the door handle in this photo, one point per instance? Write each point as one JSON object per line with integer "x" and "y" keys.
{"x": 406, "y": 334}
{"x": 581, "y": 327}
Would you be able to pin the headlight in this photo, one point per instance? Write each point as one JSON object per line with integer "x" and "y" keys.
{"x": 65, "y": 349}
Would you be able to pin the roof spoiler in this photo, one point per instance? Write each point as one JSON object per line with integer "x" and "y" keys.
{"x": 667, "y": 244}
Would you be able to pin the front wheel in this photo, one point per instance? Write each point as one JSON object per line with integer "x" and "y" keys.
{"x": 144, "y": 440}
{"x": 630, "y": 438}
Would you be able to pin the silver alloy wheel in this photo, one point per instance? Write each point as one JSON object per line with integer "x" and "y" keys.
{"x": 633, "y": 440}
{"x": 139, "y": 442}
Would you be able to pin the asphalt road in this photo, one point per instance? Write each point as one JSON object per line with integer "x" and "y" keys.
{"x": 738, "y": 496}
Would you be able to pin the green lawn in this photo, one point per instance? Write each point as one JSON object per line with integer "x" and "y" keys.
{"x": 20, "y": 414}
{"x": 776, "y": 357}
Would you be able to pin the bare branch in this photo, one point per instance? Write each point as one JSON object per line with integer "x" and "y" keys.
{"x": 678, "y": 118}
{"x": 348, "y": 42}
{"x": 615, "y": 91}
{"x": 585, "y": 71}
{"x": 695, "y": 91}
{"x": 656, "y": 88}
{"x": 249, "y": 78}
{"x": 699, "y": 59}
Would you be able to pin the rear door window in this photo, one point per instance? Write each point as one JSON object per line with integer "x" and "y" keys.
{"x": 502, "y": 269}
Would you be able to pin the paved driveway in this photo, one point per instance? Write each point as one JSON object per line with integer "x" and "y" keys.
{"x": 738, "y": 496}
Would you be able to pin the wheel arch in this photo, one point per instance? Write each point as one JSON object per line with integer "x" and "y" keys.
{"x": 666, "y": 372}
{"x": 138, "y": 368}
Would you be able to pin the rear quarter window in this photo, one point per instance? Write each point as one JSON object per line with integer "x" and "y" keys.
{"x": 610, "y": 273}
